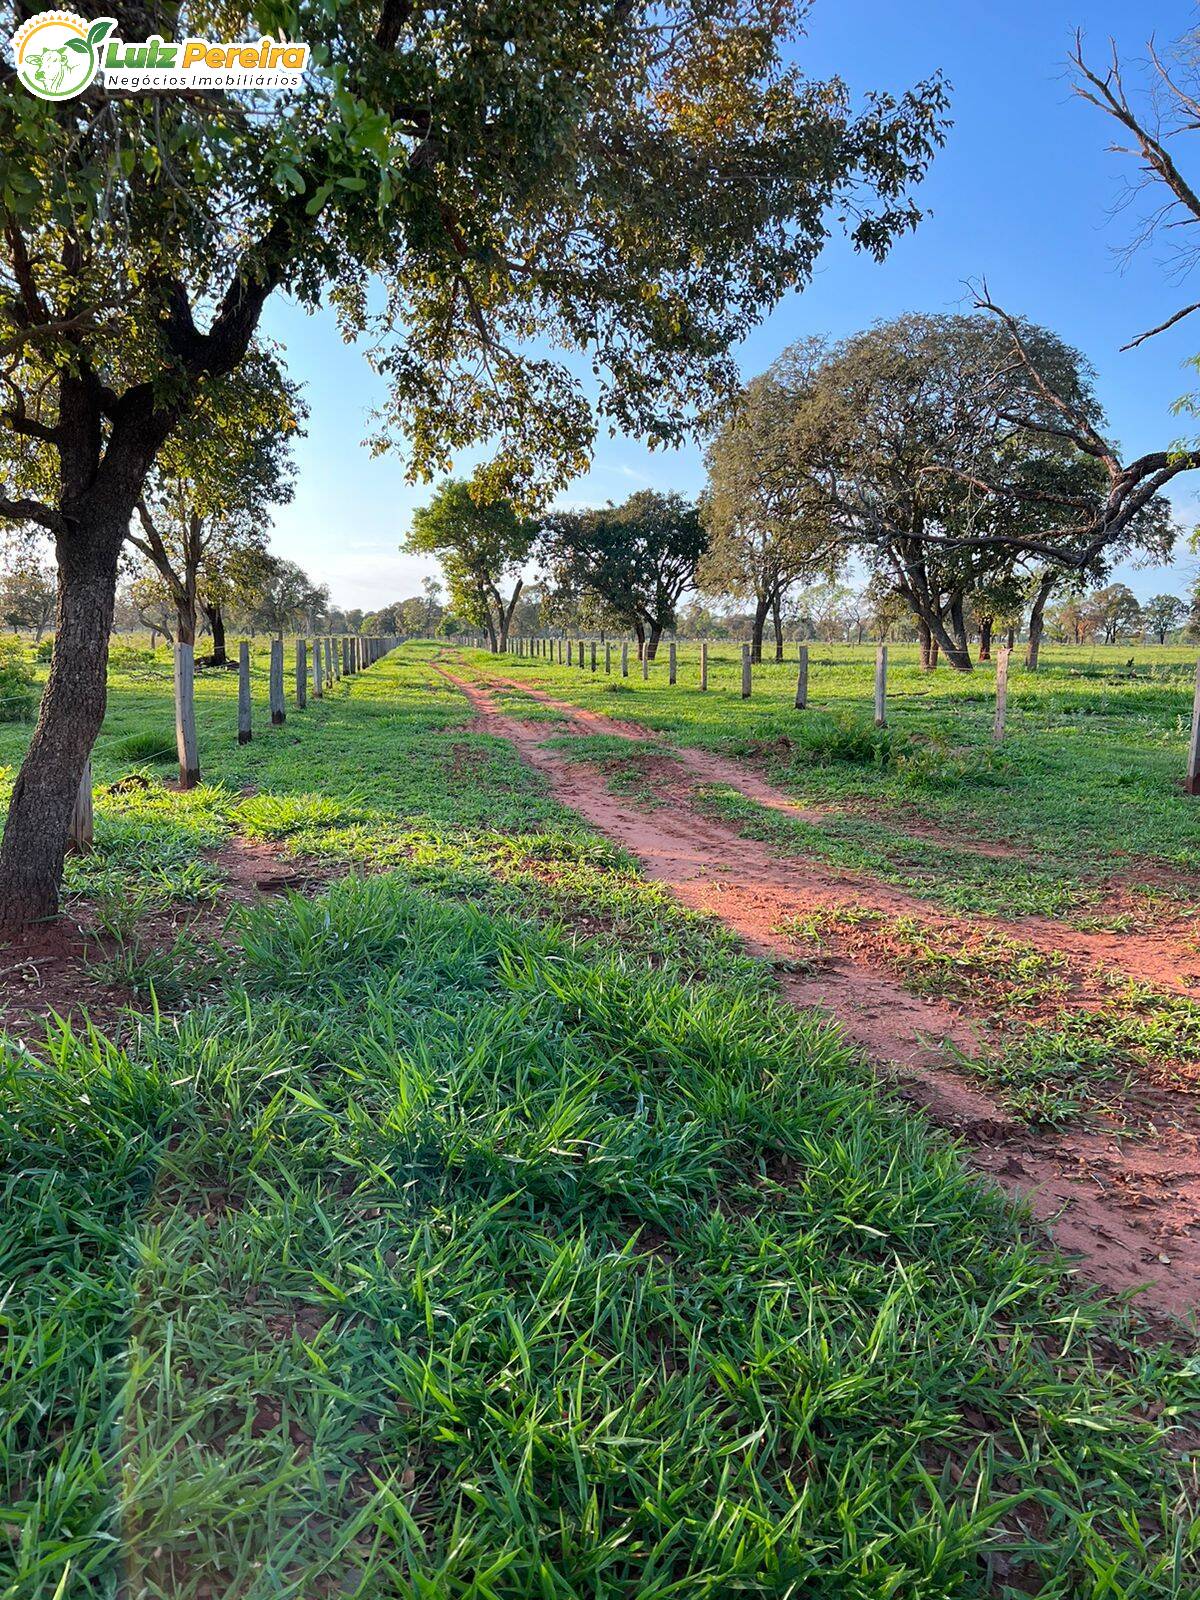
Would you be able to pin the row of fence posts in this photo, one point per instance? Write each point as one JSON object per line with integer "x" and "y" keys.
{"x": 320, "y": 663}
{"x": 571, "y": 652}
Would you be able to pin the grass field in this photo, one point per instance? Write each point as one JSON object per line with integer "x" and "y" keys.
{"x": 1090, "y": 771}
{"x": 487, "y": 1228}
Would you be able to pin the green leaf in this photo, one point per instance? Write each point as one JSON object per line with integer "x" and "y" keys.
{"x": 78, "y": 46}
{"x": 99, "y": 30}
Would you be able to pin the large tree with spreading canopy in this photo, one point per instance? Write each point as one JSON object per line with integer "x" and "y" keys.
{"x": 475, "y": 189}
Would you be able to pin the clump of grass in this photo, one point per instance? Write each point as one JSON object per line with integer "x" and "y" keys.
{"x": 439, "y": 1258}
{"x": 984, "y": 965}
{"x": 148, "y": 745}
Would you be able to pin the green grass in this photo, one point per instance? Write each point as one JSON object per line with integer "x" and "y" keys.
{"x": 1088, "y": 777}
{"x": 492, "y": 1232}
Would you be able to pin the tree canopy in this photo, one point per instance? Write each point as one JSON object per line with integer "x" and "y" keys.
{"x": 634, "y": 180}
{"x": 482, "y": 545}
{"x": 634, "y": 560}
{"x": 935, "y": 446}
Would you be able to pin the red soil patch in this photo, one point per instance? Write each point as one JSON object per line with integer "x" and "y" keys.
{"x": 1129, "y": 1209}
{"x": 51, "y": 968}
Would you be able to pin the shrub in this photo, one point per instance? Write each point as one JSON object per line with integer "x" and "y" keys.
{"x": 18, "y": 689}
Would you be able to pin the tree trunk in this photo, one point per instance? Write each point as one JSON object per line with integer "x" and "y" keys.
{"x": 1036, "y": 614}
{"x": 506, "y": 613}
{"x": 1011, "y": 638}
{"x": 185, "y": 625}
{"x": 652, "y": 639}
{"x": 956, "y": 644}
{"x": 985, "y": 638}
{"x": 216, "y": 621}
{"x": 72, "y": 709}
{"x": 761, "y": 607}
{"x": 778, "y": 626}
{"x": 928, "y": 646}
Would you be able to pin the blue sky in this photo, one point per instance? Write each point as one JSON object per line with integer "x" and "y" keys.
{"x": 1023, "y": 193}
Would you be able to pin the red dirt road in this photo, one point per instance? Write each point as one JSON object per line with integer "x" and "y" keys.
{"x": 1128, "y": 1208}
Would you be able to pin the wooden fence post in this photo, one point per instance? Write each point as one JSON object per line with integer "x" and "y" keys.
{"x": 1001, "y": 694}
{"x": 275, "y": 691}
{"x": 185, "y": 716}
{"x": 671, "y": 662}
{"x": 245, "y": 731}
{"x": 745, "y": 672}
{"x": 704, "y": 666}
{"x": 570, "y": 654}
{"x": 881, "y": 686}
{"x": 624, "y": 658}
{"x": 318, "y": 669}
{"x": 608, "y": 656}
{"x": 80, "y": 834}
{"x": 301, "y": 674}
{"x": 580, "y": 661}
{"x": 593, "y": 655}
{"x": 645, "y": 659}
{"x": 802, "y": 679}
{"x": 1193, "y": 766}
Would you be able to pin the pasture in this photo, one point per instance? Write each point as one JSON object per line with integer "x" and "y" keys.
{"x": 446, "y": 1205}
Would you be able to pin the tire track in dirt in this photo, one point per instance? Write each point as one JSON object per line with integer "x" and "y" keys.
{"x": 1128, "y": 1208}
{"x": 1163, "y": 958}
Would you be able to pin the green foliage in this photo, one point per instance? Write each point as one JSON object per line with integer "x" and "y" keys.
{"x": 626, "y": 564}
{"x": 151, "y": 744}
{"x": 482, "y": 545}
{"x": 18, "y": 689}
{"x": 560, "y": 186}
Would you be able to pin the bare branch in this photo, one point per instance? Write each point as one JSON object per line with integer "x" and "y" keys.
{"x": 1162, "y": 327}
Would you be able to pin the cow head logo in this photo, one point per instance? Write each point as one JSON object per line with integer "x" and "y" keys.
{"x": 58, "y": 53}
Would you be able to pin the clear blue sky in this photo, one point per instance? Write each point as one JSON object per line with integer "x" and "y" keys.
{"x": 1023, "y": 193}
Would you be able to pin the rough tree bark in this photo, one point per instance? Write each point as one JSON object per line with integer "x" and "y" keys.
{"x": 72, "y": 709}
{"x": 1037, "y": 614}
{"x": 985, "y": 638}
{"x": 762, "y": 606}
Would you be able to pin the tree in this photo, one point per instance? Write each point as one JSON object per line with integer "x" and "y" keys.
{"x": 209, "y": 498}
{"x": 767, "y": 531}
{"x": 1154, "y": 138}
{"x": 899, "y": 439}
{"x": 1119, "y": 610}
{"x": 482, "y": 545}
{"x": 633, "y": 560}
{"x": 1162, "y": 614}
{"x": 152, "y": 603}
{"x": 634, "y": 179}
{"x": 938, "y": 446}
{"x": 28, "y": 592}
{"x": 286, "y": 597}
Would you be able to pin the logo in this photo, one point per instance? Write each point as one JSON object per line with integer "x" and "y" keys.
{"x": 58, "y": 53}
